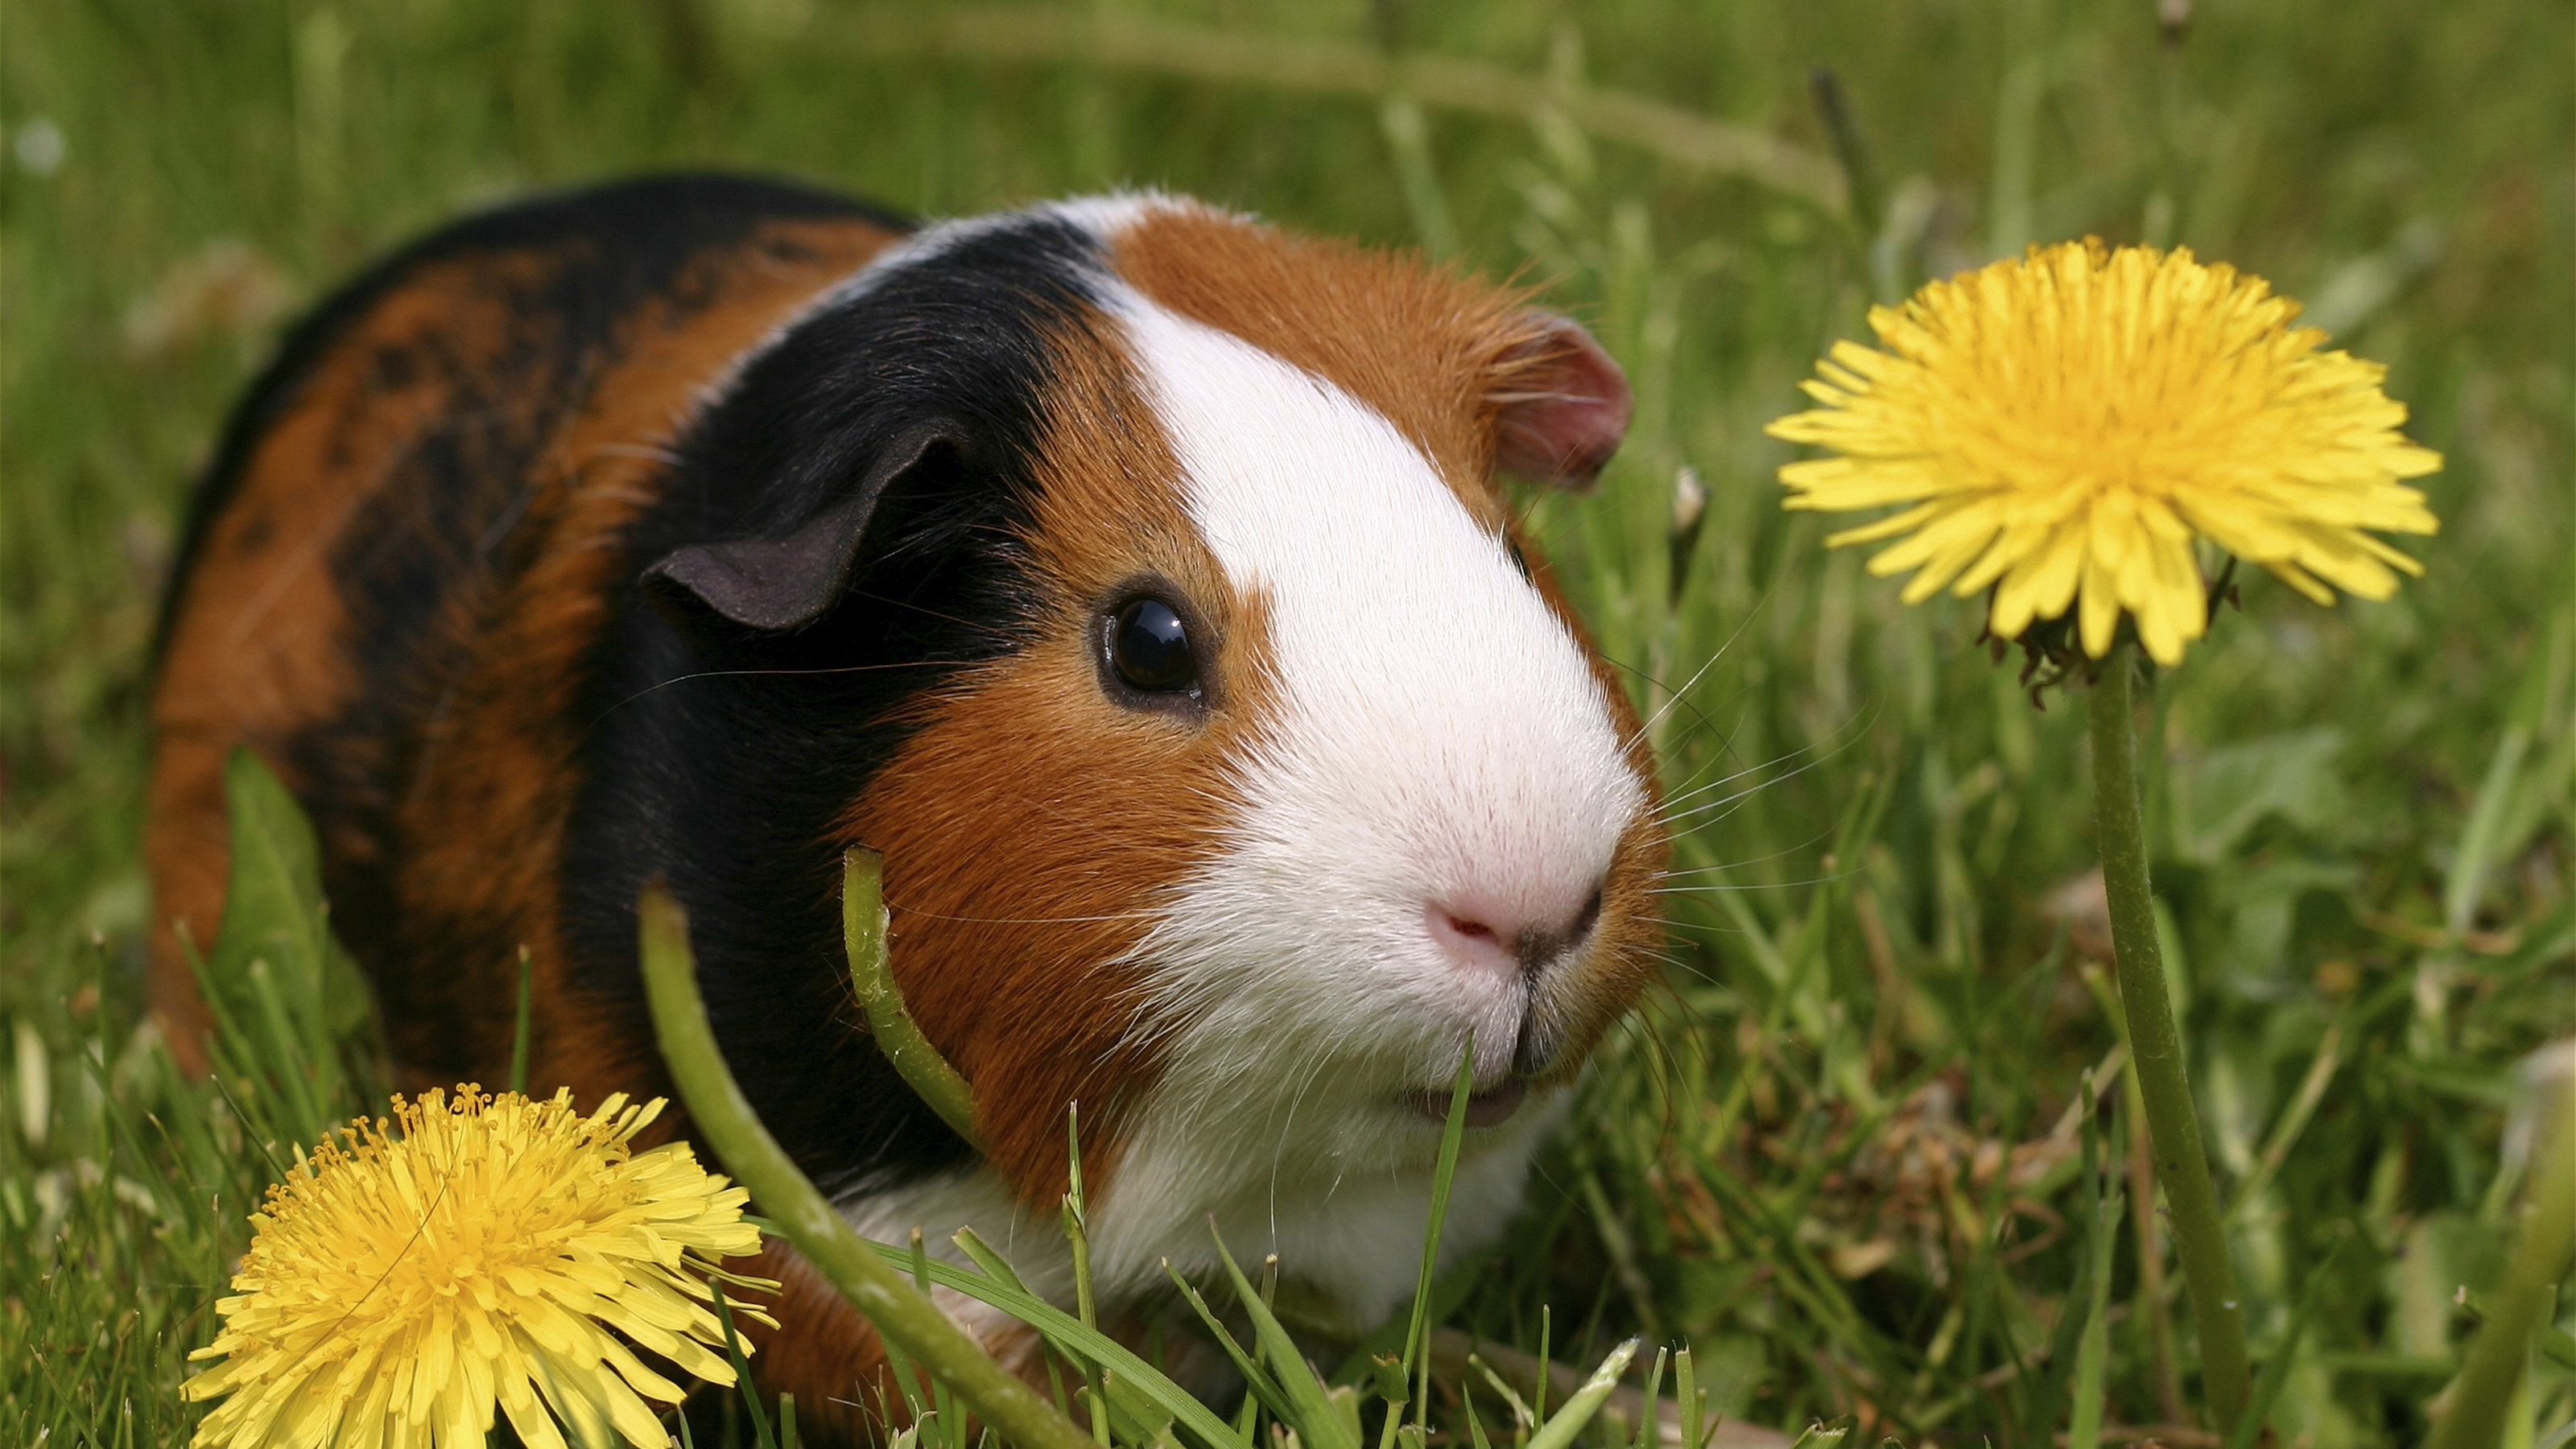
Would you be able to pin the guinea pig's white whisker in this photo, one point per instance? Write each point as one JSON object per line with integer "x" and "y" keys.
{"x": 1782, "y": 853}
{"x": 1758, "y": 787}
{"x": 897, "y": 907}
{"x": 1716, "y": 887}
{"x": 1667, "y": 1071}
{"x": 1851, "y": 731}
{"x": 1856, "y": 725}
{"x": 1672, "y": 806}
{"x": 1695, "y": 784}
{"x": 1725, "y": 810}
{"x": 1730, "y": 777}
{"x": 1837, "y": 743}
{"x": 1723, "y": 806}
{"x": 1708, "y": 928}
{"x": 1676, "y": 697}
{"x": 1661, "y": 990}
{"x": 732, "y": 673}
{"x": 980, "y": 626}
{"x": 1694, "y": 971}
{"x": 1278, "y": 1155}
{"x": 1681, "y": 696}
{"x": 1673, "y": 696}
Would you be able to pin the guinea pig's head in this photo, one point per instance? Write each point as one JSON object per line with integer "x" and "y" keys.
{"x": 1284, "y": 777}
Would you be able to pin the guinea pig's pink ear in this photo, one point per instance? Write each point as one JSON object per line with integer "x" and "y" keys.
{"x": 1562, "y": 405}
{"x": 779, "y": 584}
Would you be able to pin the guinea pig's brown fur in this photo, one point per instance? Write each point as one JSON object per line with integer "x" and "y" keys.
{"x": 697, "y": 528}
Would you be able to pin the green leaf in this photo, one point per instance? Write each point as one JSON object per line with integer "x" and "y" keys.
{"x": 2225, "y": 792}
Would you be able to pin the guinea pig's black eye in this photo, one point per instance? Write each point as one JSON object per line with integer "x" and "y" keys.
{"x": 1150, "y": 648}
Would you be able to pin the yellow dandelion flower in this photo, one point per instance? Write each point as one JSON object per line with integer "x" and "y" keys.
{"x": 2065, "y": 422}
{"x": 499, "y": 1250}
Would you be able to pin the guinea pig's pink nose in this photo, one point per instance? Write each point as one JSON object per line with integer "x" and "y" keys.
{"x": 1511, "y": 947}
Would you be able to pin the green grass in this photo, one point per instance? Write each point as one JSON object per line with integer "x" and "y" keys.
{"x": 1829, "y": 1155}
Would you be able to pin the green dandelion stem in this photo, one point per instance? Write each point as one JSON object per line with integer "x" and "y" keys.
{"x": 902, "y": 1313}
{"x": 2182, "y": 1166}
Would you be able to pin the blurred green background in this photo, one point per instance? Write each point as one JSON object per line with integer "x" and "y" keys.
{"x": 1838, "y": 1153}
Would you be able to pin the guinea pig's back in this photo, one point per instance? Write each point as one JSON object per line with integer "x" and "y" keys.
{"x": 395, "y": 567}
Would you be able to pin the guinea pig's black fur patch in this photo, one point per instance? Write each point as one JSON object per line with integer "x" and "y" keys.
{"x": 725, "y": 757}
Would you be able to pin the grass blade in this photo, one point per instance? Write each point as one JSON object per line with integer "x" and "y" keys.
{"x": 2276, "y": 1369}
{"x": 519, "y": 1033}
{"x": 1133, "y": 1383}
{"x": 1559, "y": 1431}
{"x": 1823, "y": 1434}
{"x": 2541, "y": 1251}
{"x": 1475, "y": 1425}
{"x": 742, "y": 1383}
{"x": 1261, "y": 1385}
{"x": 1313, "y": 1417}
{"x": 1647, "y": 1424}
{"x": 1693, "y": 1404}
{"x": 1453, "y": 1132}
{"x": 2480, "y": 847}
{"x": 2093, "y": 1347}
{"x": 1521, "y": 1415}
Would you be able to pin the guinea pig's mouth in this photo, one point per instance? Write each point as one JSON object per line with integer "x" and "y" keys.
{"x": 1490, "y": 1107}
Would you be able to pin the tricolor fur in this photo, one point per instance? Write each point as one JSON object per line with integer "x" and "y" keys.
{"x": 700, "y": 528}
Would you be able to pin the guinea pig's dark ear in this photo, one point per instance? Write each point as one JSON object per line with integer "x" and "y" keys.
{"x": 778, "y": 584}
{"x": 1561, "y": 404}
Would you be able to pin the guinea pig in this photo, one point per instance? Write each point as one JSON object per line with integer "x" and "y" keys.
{"x": 1132, "y": 574}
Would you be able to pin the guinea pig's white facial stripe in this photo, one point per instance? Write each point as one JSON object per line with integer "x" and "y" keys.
{"x": 1433, "y": 736}
{"x": 1439, "y": 742}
